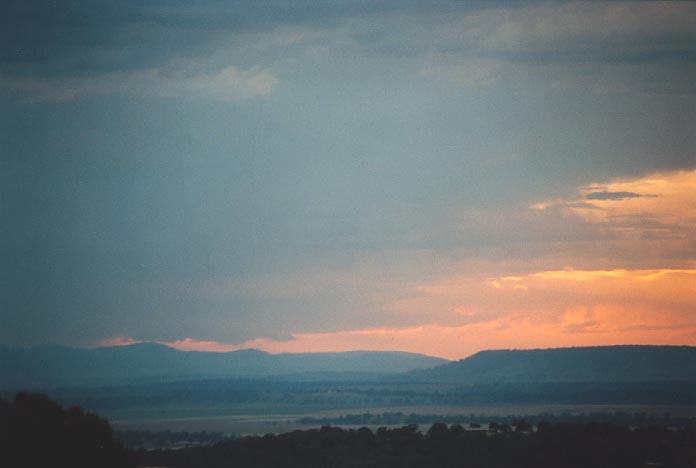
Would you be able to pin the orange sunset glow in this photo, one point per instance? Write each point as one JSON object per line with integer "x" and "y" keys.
{"x": 544, "y": 309}
{"x": 647, "y": 294}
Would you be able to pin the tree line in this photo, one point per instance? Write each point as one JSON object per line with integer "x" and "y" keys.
{"x": 519, "y": 445}
{"x": 37, "y": 432}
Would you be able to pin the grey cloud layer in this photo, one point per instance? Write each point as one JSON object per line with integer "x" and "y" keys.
{"x": 68, "y": 48}
{"x": 162, "y": 165}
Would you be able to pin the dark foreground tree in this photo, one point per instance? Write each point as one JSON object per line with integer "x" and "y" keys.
{"x": 37, "y": 432}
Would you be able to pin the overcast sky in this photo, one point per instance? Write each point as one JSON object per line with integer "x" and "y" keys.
{"x": 437, "y": 177}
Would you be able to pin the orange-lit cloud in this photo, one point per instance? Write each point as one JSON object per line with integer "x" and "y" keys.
{"x": 562, "y": 308}
{"x": 666, "y": 197}
{"x": 541, "y": 309}
{"x": 656, "y": 206}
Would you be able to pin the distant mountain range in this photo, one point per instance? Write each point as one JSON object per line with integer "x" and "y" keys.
{"x": 610, "y": 364}
{"x": 55, "y": 366}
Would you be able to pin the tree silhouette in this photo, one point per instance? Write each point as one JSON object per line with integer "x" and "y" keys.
{"x": 37, "y": 432}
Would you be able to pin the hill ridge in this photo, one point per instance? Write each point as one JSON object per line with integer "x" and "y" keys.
{"x": 612, "y": 363}
{"x": 42, "y": 367}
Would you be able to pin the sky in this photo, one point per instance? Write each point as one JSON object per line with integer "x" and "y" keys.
{"x": 427, "y": 176}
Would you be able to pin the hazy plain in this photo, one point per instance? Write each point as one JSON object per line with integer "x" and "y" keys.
{"x": 256, "y": 423}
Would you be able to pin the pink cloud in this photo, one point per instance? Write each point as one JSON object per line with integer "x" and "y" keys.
{"x": 192, "y": 344}
{"x": 117, "y": 341}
